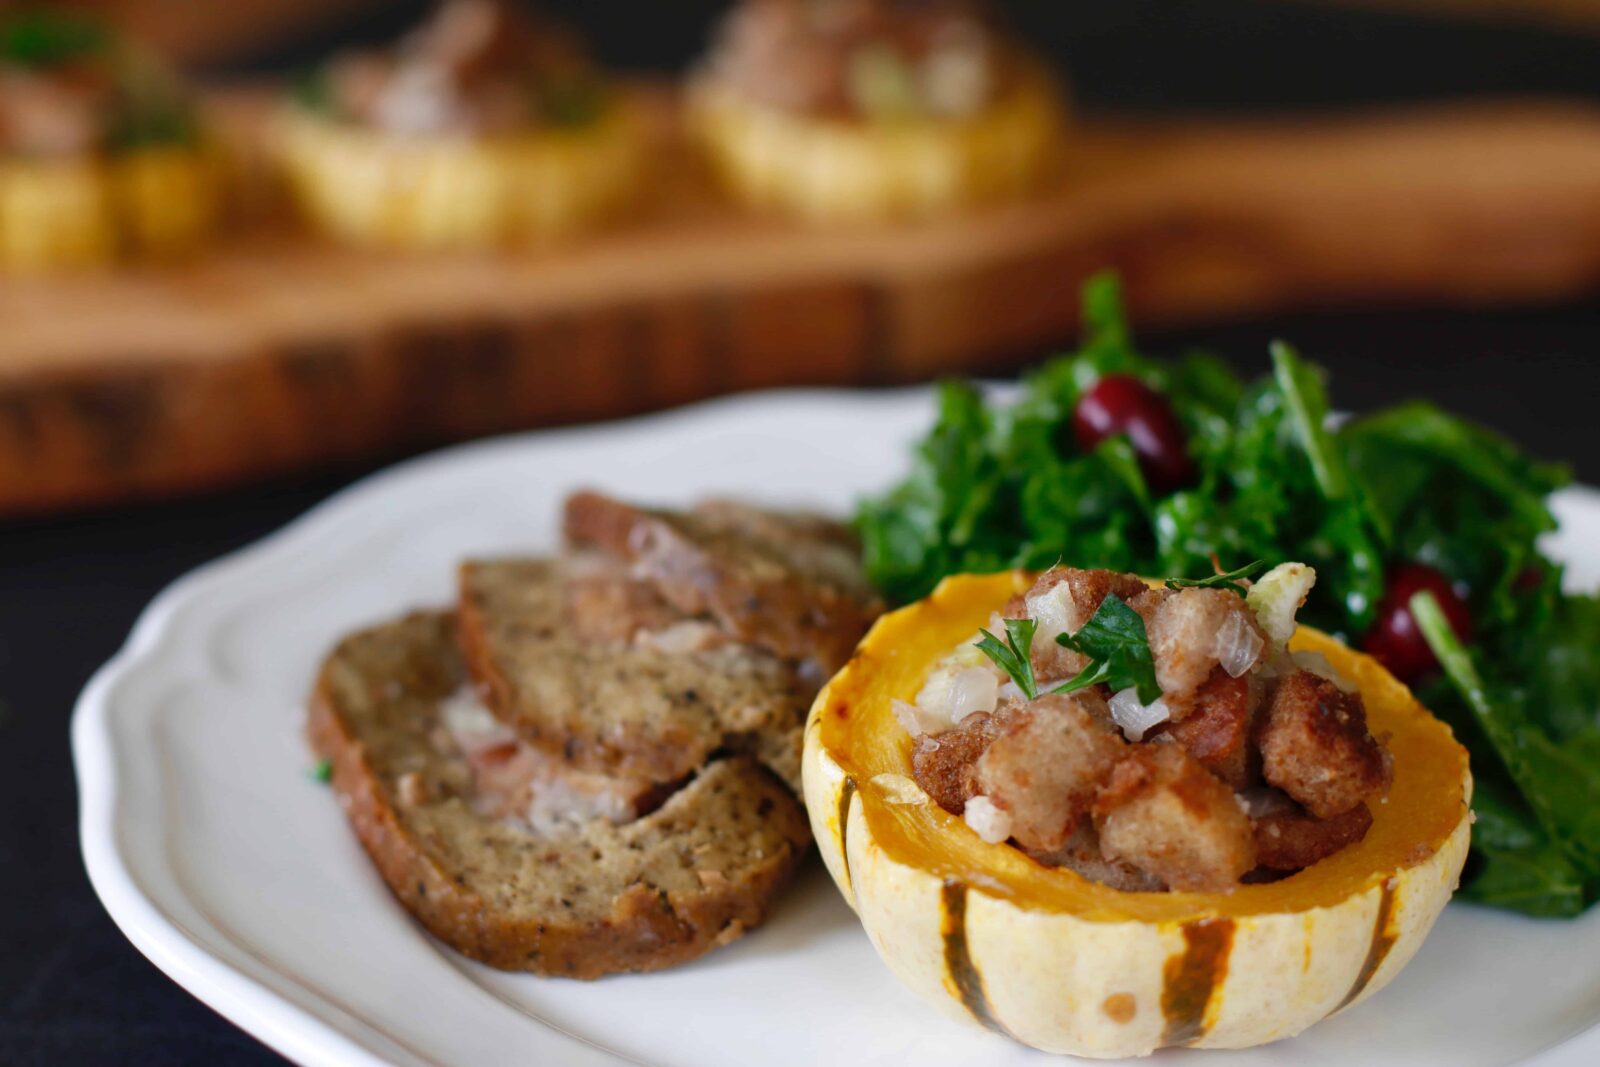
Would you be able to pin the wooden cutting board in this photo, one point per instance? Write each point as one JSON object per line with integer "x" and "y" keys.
{"x": 278, "y": 352}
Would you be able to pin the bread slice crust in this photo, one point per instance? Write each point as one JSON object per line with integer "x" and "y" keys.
{"x": 619, "y": 709}
{"x": 640, "y": 896}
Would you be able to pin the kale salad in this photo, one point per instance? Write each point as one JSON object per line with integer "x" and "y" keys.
{"x": 1423, "y": 529}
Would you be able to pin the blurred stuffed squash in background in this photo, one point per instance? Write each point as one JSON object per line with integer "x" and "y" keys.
{"x": 484, "y": 127}
{"x": 102, "y": 156}
{"x": 847, "y": 111}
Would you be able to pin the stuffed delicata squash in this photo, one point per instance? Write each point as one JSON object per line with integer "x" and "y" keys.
{"x": 101, "y": 155}
{"x": 1129, "y": 817}
{"x": 484, "y": 127}
{"x": 866, "y": 110}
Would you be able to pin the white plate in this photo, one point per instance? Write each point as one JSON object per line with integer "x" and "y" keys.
{"x": 237, "y": 875}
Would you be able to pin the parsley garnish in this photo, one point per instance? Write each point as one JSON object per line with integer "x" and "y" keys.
{"x": 321, "y": 771}
{"x": 1114, "y": 639}
{"x": 1118, "y": 648}
{"x": 1230, "y": 580}
{"x": 1013, "y": 657}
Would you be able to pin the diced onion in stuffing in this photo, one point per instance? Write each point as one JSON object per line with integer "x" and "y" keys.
{"x": 1136, "y": 718}
{"x": 1055, "y": 612}
{"x": 1238, "y": 645}
{"x": 917, "y": 720}
{"x": 988, "y": 820}
{"x": 971, "y": 690}
{"x": 952, "y": 695}
{"x": 1318, "y": 664}
{"x": 1277, "y": 596}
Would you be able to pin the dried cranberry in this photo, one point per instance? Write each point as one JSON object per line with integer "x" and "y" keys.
{"x": 1122, "y": 404}
{"x": 1395, "y": 639}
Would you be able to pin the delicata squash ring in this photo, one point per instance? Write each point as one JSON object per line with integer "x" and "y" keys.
{"x": 367, "y": 187}
{"x": 824, "y": 171}
{"x": 158, "y": 203}
{"x": 1068, "y": 965}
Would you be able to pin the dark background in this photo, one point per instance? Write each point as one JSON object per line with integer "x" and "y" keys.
{"x": 73, "y": 991}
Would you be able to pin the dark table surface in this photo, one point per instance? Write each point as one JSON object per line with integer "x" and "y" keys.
{"x": 72, "y": 990}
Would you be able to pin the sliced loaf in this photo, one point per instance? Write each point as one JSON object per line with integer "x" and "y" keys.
{"x": 695, "y": 873}
{"x": 614, "y": 703}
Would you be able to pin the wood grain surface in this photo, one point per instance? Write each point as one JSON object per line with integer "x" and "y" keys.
{"x": 278, "y": 352}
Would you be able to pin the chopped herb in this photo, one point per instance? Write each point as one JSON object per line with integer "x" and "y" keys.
{"x": 1118, "y": 648}
{"x": 1014, "y": 657}
{"x": 1230, "y": 580}
{"x": 321, "y": 771}
{"x": 1114, "y": 640}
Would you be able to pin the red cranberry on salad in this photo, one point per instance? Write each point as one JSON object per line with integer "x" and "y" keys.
{"x": 1122, "y": 404}
{"x": 1395, "y": 640}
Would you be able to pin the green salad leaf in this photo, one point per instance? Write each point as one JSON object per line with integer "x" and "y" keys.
{"x": 1514, "y": 864}
{"x": 1004, "y": 484}
{"x": 1560, "y": 780}
{"x": 1308, "y": 411}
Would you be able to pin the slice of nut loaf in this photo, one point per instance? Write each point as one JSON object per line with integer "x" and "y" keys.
{"x": 613, "y": 703}
{"x": 789, "y": 582}
{"x": 695, "y": 873}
